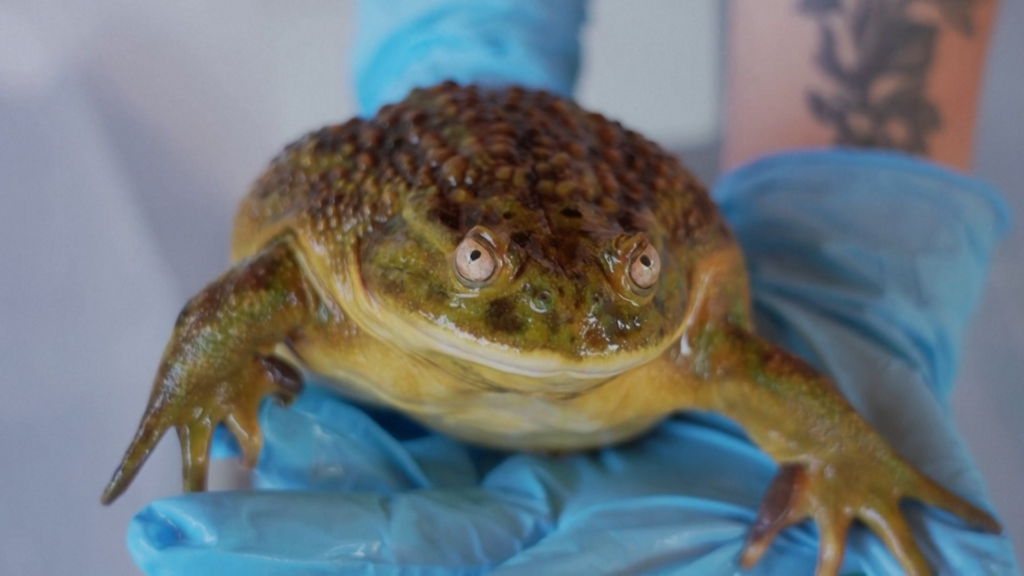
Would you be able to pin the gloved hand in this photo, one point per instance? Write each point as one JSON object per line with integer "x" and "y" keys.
{"x": 877, "y": 304}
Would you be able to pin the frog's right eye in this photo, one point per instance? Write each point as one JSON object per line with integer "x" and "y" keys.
{"x": 645, "y": 267}
{"x": 474, "y": 261}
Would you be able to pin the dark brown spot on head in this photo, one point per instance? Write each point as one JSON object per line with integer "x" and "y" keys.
{"x": 571, "y": 213}
{"x": 501, "y": 316}
{"x": 449, "y": 216}
{"x": 521, "y": 238}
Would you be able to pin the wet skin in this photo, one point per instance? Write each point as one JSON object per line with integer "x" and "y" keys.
{"x": 513, "y": 271}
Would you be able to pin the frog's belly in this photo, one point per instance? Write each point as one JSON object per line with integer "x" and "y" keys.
{"x": 502, "y": 419}
{"x": 517, "y": 422}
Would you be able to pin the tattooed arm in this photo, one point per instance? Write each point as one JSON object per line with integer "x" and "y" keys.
{"x": 897, "y": 74}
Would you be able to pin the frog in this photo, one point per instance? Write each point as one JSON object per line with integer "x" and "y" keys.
{"x": 511, "y": 270}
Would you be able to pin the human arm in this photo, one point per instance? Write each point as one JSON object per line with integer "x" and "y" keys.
{"x": 902, "y": 75}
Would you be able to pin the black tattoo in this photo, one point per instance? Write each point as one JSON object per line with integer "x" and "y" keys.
{"x": 878, "y": 55}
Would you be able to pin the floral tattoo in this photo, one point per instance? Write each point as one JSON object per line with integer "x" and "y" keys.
{"x": 879, "y": 56}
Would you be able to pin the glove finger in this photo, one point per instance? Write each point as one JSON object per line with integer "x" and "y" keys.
{"x": 321, "y": 442}
{"x": 405, "y": 44}
{"x": 464, "y": 531}
{"x": 670, "y": 534}
{"x": 681, "y": 501}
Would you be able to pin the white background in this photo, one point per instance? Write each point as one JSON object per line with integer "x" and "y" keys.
{"x": 130, "y": 128}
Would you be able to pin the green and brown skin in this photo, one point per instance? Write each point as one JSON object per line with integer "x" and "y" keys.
{"x": 345, "y": 253}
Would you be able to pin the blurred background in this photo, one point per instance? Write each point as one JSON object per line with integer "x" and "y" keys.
{"x": 129, "y": 129}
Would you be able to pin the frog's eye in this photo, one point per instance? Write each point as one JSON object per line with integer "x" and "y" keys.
{"x": 474, "y": 261}
{"x": 645, "y": 267}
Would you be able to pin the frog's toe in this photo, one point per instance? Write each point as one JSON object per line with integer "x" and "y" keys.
{"x": 790, "y": 500}
{"x": 195, "y": 438}
{"x": 780, "y": 507}
{"x": 889, "y": 525}
{"x": 150, "y": 431}
{"x": 832, "y": 528}
{"x": 243, "y": 422}
{"x": 930, "y": 492}
{"x": 269, "y": 375}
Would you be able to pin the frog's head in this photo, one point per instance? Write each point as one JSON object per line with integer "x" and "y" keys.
{"x": 531, "y": 294}
{"x": 534, "y": 250}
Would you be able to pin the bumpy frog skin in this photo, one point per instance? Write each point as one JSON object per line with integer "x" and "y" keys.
{"x": 511, "y": 270}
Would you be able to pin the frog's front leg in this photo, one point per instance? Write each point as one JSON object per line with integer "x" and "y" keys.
{"x": 834, "y": 468}
{"x": 218, "y": 364}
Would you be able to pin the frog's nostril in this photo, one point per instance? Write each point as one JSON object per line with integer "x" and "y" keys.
{"x": 541, "y": 302}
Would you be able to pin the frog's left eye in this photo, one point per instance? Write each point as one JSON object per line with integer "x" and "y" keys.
{"x": 645, "y": 268}
{"x": 474, "y": 261}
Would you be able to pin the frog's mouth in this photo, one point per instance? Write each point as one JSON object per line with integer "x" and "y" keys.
{"x": 494, "y": 366}
{"x": 454, "y": 344}
{"x": 483, "y": 363}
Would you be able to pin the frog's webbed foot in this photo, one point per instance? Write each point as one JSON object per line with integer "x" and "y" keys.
{"x": 218, "y": 366}
{"x": 835, "y": 496}
{"x": 834, "y": 468}
{"x": 233, "y": 402}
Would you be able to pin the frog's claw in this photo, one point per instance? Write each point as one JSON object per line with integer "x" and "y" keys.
{"x": 217, "y": 366}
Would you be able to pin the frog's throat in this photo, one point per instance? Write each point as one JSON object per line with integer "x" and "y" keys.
{"x": 440, "y": 344}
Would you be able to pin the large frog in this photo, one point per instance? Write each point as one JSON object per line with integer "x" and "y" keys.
{"x": 515, "y": 272}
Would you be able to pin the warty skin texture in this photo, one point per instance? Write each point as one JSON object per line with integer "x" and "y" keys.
{"x": 345, "y": 265}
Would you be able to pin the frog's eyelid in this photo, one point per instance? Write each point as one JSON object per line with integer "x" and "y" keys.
{"x": 624, "y": 246}
{"x": 496, "y": 245}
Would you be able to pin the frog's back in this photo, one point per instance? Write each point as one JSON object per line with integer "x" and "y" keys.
{"x": 468, "y": 157}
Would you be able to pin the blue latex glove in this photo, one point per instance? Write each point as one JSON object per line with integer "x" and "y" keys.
{"x": 406, "y": 44}
{"x": 877, "y": 303}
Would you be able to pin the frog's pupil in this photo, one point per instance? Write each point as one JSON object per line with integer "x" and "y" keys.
{"x": 645, "y": 260}
{"x": 474, "y": 255}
